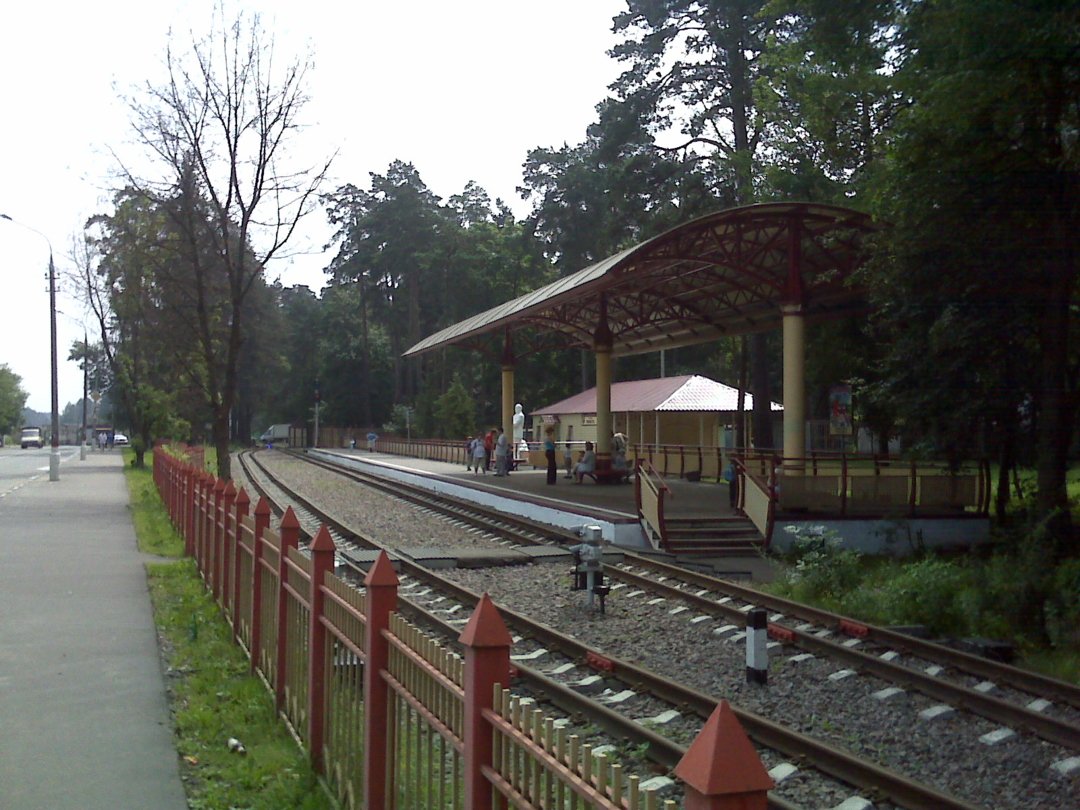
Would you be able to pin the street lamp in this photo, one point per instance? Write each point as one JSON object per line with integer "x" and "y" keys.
{"x": 54, "y": 453}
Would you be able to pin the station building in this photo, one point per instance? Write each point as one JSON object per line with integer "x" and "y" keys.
{"x": 688, "y": 409}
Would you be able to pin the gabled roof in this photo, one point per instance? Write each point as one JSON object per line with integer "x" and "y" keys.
{"x": 688, "y": 392}
{"x": 727, "y": 273}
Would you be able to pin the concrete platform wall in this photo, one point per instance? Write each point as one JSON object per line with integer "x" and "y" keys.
{"x": 620, "y": 531}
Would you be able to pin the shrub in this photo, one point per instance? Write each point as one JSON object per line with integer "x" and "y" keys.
{"x": 927, "y": 592}
{"x": 821, "y": 568}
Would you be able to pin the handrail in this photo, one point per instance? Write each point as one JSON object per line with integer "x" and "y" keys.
{"x": 757, "y": 498}
{"x": 650, "y": 493}
{"x": 849, "y": 485}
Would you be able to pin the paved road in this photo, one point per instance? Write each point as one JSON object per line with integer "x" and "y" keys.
{"x": 18, "y": 466}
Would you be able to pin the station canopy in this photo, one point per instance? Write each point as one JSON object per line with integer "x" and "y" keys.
{"x": 727, "y": 273}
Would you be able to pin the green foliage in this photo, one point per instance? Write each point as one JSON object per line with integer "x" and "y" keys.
{"x": 1011, "y": 595}
{"x": 153, "y": 530}
{"x": 455, "y": 414}
{"x": 12, "y": 400}
{"x": 925, "y": 591}
{"x": 214, "y": 697}
{"x": 820, "y": 568}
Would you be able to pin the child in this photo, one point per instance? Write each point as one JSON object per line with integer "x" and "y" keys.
{"x": 568, "y": 462}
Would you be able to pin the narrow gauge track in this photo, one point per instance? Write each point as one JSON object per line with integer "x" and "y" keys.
{"x": 1022, "y": 700}
{"x": 881, "y": 783}
{"x": 882, "y": 661}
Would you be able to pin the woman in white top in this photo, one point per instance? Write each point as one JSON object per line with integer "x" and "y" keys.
{"x": 587, "y": 463}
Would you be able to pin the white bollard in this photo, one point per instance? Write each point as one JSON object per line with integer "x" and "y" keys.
{"x": 757, "y": 652}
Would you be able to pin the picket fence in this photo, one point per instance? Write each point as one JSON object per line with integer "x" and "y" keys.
{"x": 388, "y": 716}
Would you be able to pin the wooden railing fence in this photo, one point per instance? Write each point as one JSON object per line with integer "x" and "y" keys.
{"x": 389, "y": 717}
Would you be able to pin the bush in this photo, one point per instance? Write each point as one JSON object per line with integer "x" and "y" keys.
{"x": 821, "y": 569}
{"x": 928, "y": 592}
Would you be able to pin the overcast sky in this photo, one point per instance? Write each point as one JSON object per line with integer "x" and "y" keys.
{"x": 462, "y": 90}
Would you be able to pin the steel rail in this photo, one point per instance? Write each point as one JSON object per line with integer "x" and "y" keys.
{"x": 838, "y": 764}
{"x": 1011, "y": 714}
{"x": 1002, "y": 674}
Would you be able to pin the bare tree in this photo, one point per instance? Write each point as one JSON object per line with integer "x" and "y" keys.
{"x": 222, "y": 125}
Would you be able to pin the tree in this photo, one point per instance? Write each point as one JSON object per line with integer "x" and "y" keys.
{"x": 455, "y": 415}
{"x": 12, "y": 399}
{"x": 389, "y": 242}
{"x": 979, "y": 277}
{"x": 693, "y": 66}
{"x": 221, "y": 126}
{"x": 124, "y": 267}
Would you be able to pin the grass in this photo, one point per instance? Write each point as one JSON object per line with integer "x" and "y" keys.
{"x": 212, "y": 695}
{"x": 1010, "y": 595}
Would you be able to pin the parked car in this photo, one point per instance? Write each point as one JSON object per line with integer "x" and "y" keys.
{"x": 120, "y": 440}
{"x": 31, "y": 437}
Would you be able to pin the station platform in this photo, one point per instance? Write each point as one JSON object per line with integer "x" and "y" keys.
{"x": 566, "y": 504}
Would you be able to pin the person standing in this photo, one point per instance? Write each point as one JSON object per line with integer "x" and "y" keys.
{"x": 479, "y": 455}
{"x": 489, "y": 448}
{"x": 549, "y": 454}
{"x": 502, "y": 449}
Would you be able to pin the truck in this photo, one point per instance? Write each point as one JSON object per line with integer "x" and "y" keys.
{"x": 31, "y": 437}
{"x": 275, "y": 434}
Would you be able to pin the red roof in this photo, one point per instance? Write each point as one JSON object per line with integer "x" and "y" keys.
{"x": 688, "y": 392}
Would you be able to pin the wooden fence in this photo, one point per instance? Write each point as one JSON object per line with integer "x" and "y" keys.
{"x": 389, "y": 717}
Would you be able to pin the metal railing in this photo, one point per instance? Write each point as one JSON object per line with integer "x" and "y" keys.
{"x": 389, "y": 717}
{"x": 651, "y": 492}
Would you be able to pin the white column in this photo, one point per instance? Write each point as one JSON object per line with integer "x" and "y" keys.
{"x": 794, "y": 388}
{"x": 603, "y": 400}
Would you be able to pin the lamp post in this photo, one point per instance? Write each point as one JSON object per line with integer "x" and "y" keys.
{"x": 86, "y": 362}
{"x": 54, "y": 453}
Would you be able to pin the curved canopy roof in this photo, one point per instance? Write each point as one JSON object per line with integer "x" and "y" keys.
{"x": 726, "y": 273}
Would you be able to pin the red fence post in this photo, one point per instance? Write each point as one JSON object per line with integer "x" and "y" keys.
{"x": 221, "y": 553}
{"x": 290, "y": 538}
{"x": 721, "y": 770}
{"x": 201, "y": 507}
{"x": 188, "y": 501}
{"x": 207, "y": 523}
{"x": 262, "y": 523}
{"x": 243, "y": 506}
{"x": 381, "y": 600}
{"x": 487, "y": 662}
{"x": 322, "y": 562}
{"x": 214, "y": 537}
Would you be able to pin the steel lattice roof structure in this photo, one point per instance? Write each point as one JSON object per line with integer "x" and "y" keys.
{"x": 727, "y": 273}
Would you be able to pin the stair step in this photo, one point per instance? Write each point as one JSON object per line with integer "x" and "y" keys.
{"x": 713, "y": 549}
{"x": 725, "y": 533}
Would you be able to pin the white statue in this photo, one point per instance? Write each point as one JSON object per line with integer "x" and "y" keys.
{"x": 519, "y": 425}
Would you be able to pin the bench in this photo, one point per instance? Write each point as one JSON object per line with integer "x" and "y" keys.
{"x": 609, "y": 476}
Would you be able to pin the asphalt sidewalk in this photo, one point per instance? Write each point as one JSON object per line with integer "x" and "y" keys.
{"x": 84, "y": 721}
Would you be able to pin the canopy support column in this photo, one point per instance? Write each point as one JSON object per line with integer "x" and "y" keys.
{"x": 602, "y": 342}
{"x": 794, "y": 333}
{"x": 794, "y": 388}
{"x": 506, "y": 417}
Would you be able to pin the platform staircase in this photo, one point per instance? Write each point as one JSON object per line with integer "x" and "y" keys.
{"x": 715, "y": 536}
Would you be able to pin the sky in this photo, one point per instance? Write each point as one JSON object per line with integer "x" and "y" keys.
{"x": 461, "y": 90}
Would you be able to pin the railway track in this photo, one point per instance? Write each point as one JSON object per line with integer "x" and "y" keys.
{"x": 567, "y": 680}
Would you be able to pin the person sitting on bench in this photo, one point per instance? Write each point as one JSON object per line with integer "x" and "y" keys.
{"x": 587, "y": 464}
